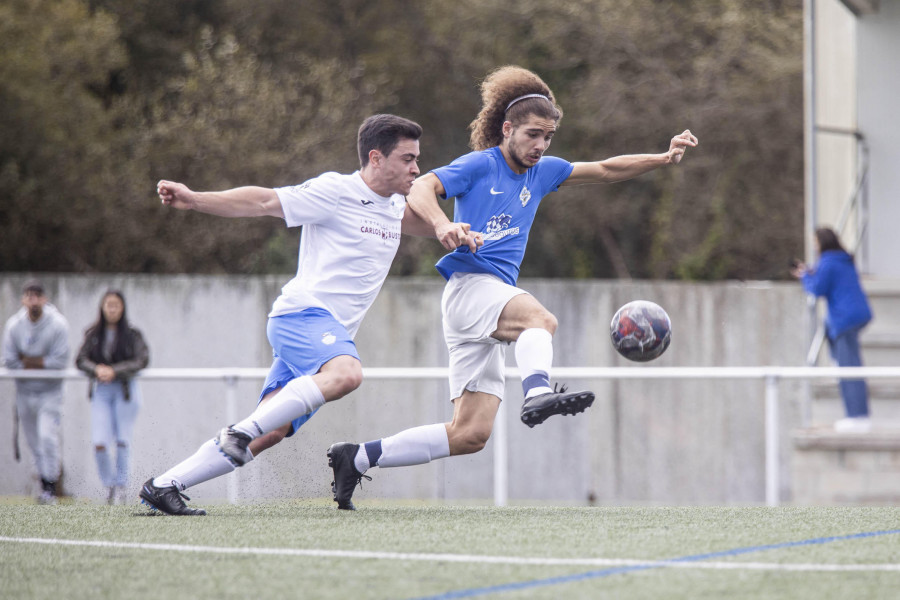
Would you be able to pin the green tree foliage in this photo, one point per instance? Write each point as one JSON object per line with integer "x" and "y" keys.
{"x": 101, "y": 99}
{"x": 233, "y": 120}
{"x": 54, "y": 127}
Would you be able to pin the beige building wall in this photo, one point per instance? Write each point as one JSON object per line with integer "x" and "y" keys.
{"x": 835, "y": 105}
{"x": 878, "y": 74}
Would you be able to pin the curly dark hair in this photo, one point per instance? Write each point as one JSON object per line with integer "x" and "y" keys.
{"x": 498, "y": 89}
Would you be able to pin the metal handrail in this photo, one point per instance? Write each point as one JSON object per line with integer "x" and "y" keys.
{"x": 770, "y": 375}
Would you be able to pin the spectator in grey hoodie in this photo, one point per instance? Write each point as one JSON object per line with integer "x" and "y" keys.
{"x": 37, "y": 337}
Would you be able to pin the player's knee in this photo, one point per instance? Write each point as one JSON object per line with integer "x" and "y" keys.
{"x": 474, "y": 439}
{"x": 476, "y": 443}
{"x": 543, "y": 319}
{"x": 550, "y": 322}
{"x": 348, "y": 379}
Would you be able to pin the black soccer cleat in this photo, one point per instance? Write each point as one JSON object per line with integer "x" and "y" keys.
{"x": 234, "y": 445}
{"x": 167, "y": 500}
{"x": 537, "y": 409}
{"x": 341, "y": 458}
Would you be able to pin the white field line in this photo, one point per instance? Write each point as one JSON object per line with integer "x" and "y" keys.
{"x": 459, "y": 558}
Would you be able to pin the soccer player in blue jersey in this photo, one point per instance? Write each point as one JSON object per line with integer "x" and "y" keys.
{"x": 351, "y": 231}
{"x": 498, "y": 188}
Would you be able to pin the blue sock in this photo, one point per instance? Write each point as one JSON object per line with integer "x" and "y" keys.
{"x": 373, "y": 451}
{"x": 539, "y": 379}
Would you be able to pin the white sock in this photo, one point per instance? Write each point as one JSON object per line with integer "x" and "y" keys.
{"x": 361, "y": 461}
{"x": 415, "y": 446}
{"x": 205, "y": 464}
{"x": 299, "y": 397}
{"x": 534, "y": 356}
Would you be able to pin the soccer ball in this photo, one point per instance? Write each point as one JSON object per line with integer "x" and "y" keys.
{"x": 640, "y": 331}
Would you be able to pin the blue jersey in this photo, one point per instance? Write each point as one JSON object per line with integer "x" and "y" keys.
{"x": 501, "y": 204}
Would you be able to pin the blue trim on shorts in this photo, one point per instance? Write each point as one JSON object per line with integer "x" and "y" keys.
{"x": 301, "y": 343}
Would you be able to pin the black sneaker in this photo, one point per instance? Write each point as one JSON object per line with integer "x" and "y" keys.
{"x": 538, "y": 408}
{"x": 341, "y": 458}
{"x": 48, "y": 492}
{"x": 233, "y": 444}
{"x": 167, "y": 500}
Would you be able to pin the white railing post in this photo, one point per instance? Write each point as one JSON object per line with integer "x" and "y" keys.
{"x": 232, "y": 485}
{"x": 501, "y": 457}
{"x": 772, "y": 470}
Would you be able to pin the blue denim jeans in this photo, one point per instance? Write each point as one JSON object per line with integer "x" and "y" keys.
{"x": 112, "y": 426}
{"x": 845, "y": 351}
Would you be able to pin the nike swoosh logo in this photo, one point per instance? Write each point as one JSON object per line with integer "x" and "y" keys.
{"x": 367, "y": 202}
{"x": 493, "y": 193}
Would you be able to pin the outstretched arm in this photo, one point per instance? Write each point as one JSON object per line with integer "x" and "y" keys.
{"x": 248, "y": 201}
{"x": 423, "y": 200}
{"x": 620, "y": 168}
{"x": 413, "y": 224}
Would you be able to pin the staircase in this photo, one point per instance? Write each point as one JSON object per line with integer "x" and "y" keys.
{"x": 851, "y": 468}
{"x": 880, "y": 343}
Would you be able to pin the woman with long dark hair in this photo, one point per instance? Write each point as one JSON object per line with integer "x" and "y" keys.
{"x": 112, "y": 353}
{"x": 835, "y": 278}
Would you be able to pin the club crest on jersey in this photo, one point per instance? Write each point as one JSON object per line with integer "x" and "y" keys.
{"x": 524, "y": 196}
{"x": 497, "y": 222}
{"x": 498, "y": 227}
{"x": 328, "y": 338}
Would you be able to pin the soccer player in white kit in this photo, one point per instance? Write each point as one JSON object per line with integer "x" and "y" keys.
{"x": 498, "y": 188}
{"x": 351, "y": 232}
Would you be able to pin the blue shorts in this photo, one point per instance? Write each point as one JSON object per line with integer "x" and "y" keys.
{"x": 301, "y": 343}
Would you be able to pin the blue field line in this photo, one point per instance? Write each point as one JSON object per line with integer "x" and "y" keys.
{"x": 656, "y": 564}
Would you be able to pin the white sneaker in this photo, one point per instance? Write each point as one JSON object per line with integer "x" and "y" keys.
{"x": 116, "y": 496}
{"x": 853, "y": 425}
{"x": 46, "y": 498}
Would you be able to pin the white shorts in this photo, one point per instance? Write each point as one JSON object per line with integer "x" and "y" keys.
{"x": 471, "y": 306}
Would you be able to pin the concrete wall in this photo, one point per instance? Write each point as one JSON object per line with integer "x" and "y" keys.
{"x": 655, "y": 442}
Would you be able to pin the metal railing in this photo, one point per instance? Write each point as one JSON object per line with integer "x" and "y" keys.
{"x": 770, "y": 375}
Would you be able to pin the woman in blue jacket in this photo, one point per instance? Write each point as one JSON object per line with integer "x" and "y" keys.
{"x": 835, "y": 278}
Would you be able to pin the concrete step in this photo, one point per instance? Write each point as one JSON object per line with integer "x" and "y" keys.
{"x": 880, "y": 348}
{"x": 824, "y": 414}
{"x": 827, "y": 406}
{"x": 831, "y": 468}
{"x": 884, "y": 298}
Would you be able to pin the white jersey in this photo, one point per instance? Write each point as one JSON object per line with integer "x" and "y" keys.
{"x": 349, "y": 239}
